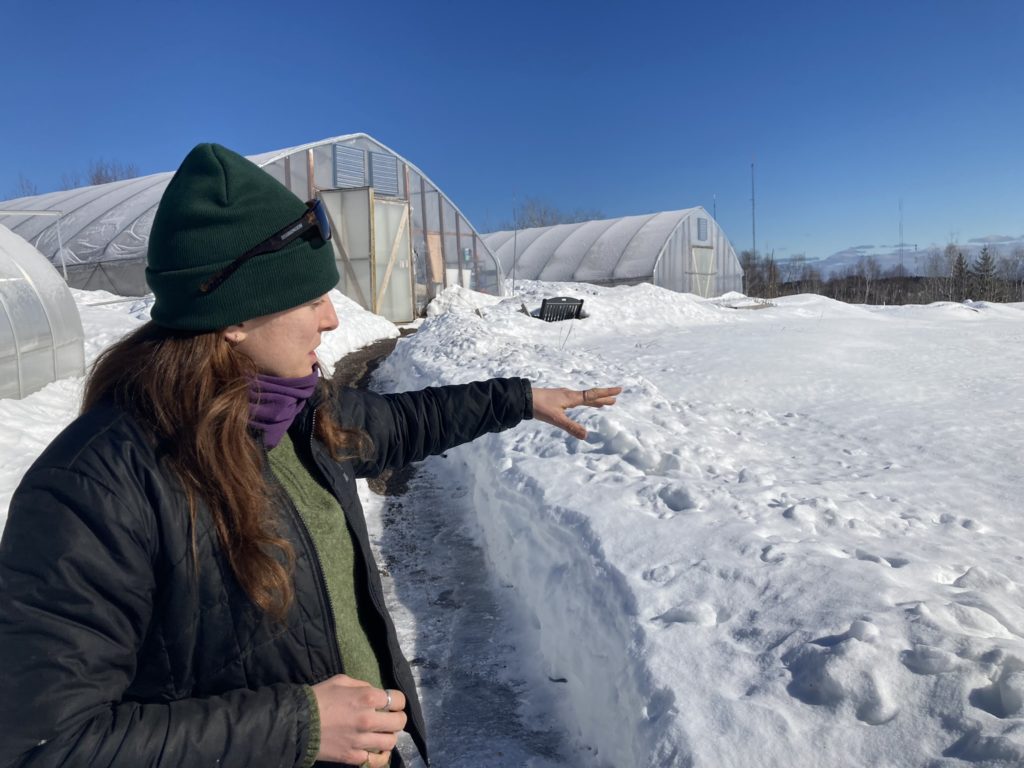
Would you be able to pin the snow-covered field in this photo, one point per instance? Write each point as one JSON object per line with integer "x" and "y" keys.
{"x": 795, "y": 541}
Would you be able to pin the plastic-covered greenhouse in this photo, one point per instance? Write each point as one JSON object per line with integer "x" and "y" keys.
{"x": 400, "y": 238}
{"x": 41, "y": 338}
{"x": 684, "y": 251}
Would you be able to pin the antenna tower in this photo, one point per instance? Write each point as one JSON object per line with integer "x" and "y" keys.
{"x": 753, "y": 217}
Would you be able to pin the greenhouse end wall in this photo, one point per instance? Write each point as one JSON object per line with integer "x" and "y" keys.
{"x": 446, "y": 248}
{"x": 41, "y": 336}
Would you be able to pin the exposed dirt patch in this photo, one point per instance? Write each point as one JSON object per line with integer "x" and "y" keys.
{"x": 355, "y": 368}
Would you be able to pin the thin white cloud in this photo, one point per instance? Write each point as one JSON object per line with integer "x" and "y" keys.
{"x": 992, "y": 239}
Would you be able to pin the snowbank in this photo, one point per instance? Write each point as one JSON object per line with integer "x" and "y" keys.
{"x": 455, "y": 298}
{"x": 796, "y": 536}
{"x": 356, "y": 328}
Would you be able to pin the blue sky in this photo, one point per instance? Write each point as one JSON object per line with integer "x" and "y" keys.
{"x": 846, "y": 108}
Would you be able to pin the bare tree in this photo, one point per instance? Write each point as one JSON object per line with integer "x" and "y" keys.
{"x": 1009, "y": 276}
{"x": 798, "y": 275}
{"x": 753, "y": 274}
{"x": 1017, "y": 258}
{"x": 938, "y": 266}
{"x": 25, "y": 188}
{"x": 534, "y": 212}
{"x": 790, "y": 269}
{"x": 868, "y": 272}
{"x": 771, "y": 277}
{"x": 810, "y": 280}
{"x": 100, "y": 172}
{"x": 105, "y": 171}
{"x": 71, "y": 180}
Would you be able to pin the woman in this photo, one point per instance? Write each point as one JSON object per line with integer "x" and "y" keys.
{"x": 185, "y": 574}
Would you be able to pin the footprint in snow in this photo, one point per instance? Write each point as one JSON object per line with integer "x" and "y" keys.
{"x": 700, "y": 613}
{"x": 891, "y": 562}
{"x": 1005, "y": 697}
{"x": 773, "y": 553}
{"x": 927, "y": 660}
{"x": 661, "y": 702}
{"x": 812, "y": 512}
{"x": 760, "y": 477}
{"x": 966, "y": 523}
{"x": 837, "y": 670}
{"x": 660, "y": 574}
{"x": 676, "y": 498}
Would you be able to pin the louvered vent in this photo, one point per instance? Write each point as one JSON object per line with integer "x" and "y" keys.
{"x": 384, "y": 174}
{"x": 349, "y": 167}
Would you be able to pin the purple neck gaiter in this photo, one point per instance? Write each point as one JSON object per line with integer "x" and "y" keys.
{"x": 274, "y": 402}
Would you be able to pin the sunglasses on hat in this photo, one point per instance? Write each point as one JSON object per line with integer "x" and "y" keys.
{"x": 314, "y": 217}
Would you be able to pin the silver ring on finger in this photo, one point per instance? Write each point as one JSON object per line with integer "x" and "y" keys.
{"x": 388, "y": 705}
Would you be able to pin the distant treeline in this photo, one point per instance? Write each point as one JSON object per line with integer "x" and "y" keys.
{"x": 100, "y": 172}
{"x": 948, "y": 275}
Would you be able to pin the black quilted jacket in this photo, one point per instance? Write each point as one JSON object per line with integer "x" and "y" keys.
{"x": 113, "y": 652}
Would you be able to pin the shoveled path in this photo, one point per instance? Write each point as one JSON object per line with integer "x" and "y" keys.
{"x": 457, "y": 626}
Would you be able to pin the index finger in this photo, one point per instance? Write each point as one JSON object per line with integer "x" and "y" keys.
{"x": 598, "y": 396}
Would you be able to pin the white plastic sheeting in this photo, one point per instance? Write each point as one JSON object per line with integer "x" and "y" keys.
{"x": 102, "y": 237}
{"x": 683, "y": 251}
{"x": 41, "y": 337}
{"x": 104, "y": 231}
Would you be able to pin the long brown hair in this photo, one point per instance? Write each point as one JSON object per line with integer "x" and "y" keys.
{"x": 191, "y": 391}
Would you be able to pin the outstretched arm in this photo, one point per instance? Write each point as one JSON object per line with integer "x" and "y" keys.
{"x": 549, "y": 405}
{"x": 409, "y": 426}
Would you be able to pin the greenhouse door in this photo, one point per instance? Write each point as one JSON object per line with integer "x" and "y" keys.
{"x": 372, "y": 245}
{"x": 392, "y": 246}
{"x": 702, "y": 270}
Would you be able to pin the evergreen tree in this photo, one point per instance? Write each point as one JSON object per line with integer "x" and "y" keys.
{"x": 958, "y": 280}
{"x": 983, "y": 275}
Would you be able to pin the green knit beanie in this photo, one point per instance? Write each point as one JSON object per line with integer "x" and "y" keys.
{"x": 217, "y": 207}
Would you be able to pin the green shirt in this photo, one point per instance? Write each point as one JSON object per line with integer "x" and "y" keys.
{"x": 343, "y": 570}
